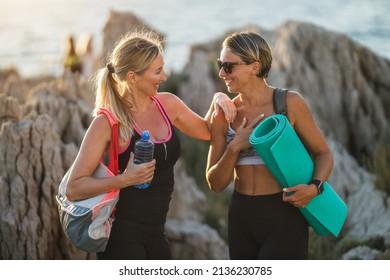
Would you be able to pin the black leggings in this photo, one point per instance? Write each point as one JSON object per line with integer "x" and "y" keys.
{"x": 265, "y": 227}
{"x": 132, "y": 241}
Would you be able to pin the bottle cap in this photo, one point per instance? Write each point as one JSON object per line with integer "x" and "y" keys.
{"x": 145, "y": 135}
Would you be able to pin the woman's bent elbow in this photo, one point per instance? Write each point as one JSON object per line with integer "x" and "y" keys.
{"x": 217, "y": 188}
{"x": 70, "y": 193}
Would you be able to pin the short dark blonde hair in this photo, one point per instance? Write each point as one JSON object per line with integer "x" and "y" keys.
{"x": 250, "y": 47}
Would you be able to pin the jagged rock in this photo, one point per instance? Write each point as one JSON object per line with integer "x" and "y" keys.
{"x": 361, "y": 253}
{"x": 10, "y": 108}
{"x": 15, "y": 87}
{"x": 343, "y": 81}
{"x": 31, "y": 168}
{"x": 368, "y": 212}
{"x": 118, "y": 24}
{"x": 188, "y": 201}
{"x": 71, "y": 114}
{"x": 72, "y": 85}
{"x": 191, "y": 240}
{"x": 68, "y": 152}
{"x": 199, "y": 82}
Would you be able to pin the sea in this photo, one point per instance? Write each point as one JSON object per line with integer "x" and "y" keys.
{"x": 33, "y": 32}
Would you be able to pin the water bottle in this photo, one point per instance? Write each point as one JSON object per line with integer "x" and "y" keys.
{"x": 143, "y": 152}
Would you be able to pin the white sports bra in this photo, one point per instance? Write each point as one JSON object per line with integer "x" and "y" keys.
{"x": 245, "y": 157}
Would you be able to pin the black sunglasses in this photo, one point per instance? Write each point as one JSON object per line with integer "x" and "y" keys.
{"x": 228, "y": 66}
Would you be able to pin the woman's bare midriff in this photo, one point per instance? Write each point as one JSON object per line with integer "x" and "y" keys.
{"x": 255, "y": 180}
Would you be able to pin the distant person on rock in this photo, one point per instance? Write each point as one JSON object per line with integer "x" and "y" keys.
{"x": 72, "y": 62}
{"x": 264, "y": 222}
{"x": 84, "y": 51}
{"x": 128, "y": 87}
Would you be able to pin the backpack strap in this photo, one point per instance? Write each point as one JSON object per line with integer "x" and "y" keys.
{"x": 114, "y": 143}
{"x": 279, "y": 101}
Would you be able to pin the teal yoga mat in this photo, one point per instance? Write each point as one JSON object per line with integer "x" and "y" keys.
{"x": 288, "y": 160}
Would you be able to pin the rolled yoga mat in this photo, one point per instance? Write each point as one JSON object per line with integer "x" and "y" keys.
{"x": 288, "y": 160}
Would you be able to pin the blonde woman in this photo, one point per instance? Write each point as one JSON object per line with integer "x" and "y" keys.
{"x": 128, "y": 87}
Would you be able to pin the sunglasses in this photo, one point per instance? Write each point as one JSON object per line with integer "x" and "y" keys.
{"x": 228, "y": 66}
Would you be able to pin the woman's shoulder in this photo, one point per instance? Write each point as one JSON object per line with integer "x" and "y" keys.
{"x": 171, "y": 103}
{"x": 101, "y": 123}
{"x": 169, "y": 100}
{"x": 99, "y": 130}
{"x": 296, "y": 105}
{"x": 166, "y": 96}
{"x": 219, "y": 120}
{"x": 294, "y": 98}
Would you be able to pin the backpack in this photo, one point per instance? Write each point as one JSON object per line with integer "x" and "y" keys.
{"x": 279, "y": 101}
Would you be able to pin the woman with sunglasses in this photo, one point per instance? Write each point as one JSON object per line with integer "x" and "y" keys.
{"x": 263, "y": 221}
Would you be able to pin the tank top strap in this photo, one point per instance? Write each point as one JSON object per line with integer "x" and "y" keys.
{"x": 162, "y": 109}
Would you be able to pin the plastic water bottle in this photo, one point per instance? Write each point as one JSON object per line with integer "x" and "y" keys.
{"x": 143, "y": 152}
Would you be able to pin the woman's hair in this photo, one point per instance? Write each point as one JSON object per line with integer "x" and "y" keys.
{"x": 250, "y": 47}
{"x": 135, "y": 51}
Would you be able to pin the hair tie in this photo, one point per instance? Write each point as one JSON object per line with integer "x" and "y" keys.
{"x": 110, "y": 68}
